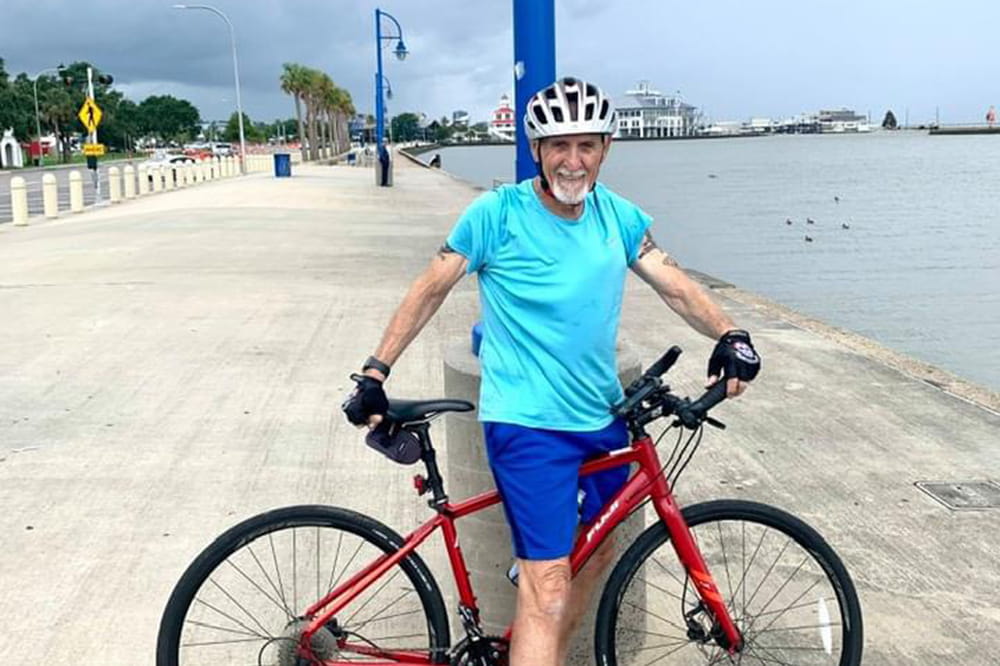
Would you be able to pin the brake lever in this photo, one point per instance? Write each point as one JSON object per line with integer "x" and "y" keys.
{"x": 715, "y": 423}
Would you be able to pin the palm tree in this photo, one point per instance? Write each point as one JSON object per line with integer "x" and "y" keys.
{"x": 294, "y": 82}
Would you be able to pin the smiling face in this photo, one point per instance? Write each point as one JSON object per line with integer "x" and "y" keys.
{"x": 571, "y": 164}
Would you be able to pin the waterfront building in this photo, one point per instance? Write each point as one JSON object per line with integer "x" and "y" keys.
{"x": 460, "y": 118}
{"x": 502, "y": 126}
{"x": 842, "y": 120}
{"x": 645, "y": 113}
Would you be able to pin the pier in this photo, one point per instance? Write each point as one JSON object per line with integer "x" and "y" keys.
{"x": 175, "y": 364}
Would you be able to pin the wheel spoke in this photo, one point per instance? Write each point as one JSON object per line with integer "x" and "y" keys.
{"x": 776, "y": 571}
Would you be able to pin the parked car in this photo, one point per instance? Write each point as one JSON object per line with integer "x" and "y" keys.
{"x": 222, "y": 149}
{"x": 165, "y": 160}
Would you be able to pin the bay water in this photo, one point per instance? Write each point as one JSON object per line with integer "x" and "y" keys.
{"x": 917, "y": 269}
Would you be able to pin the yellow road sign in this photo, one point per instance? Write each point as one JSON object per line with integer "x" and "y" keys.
{"x": 90, "y": 115}
{"x": 93, "y": 149}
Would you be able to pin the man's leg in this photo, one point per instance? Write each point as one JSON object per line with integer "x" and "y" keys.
{"x": 582, "y": 591}
{"x": 543, "y": 595}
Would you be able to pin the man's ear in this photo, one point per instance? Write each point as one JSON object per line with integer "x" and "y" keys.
{"x": 536, "y": 150}
{"x": 607, "y": 147}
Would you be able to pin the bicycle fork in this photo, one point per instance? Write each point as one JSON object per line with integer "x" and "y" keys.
{"x": 723, "y": 630}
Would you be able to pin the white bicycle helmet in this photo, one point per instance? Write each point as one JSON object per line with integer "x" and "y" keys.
{"x": 568, "y": 106}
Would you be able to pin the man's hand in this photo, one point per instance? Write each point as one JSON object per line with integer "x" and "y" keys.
{"x": 367, "y": 403}
{"x": 735, "y": 361}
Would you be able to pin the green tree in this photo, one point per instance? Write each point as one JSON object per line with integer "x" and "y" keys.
{"x": 405, "y": 127}
{"x": 251, "y": 132}
{"x": 295, "y": 82}
{"x": 168, "y": 118}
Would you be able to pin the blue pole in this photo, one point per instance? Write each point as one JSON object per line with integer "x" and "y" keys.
{"x": 379, "y": 119}
{"x": 534, "y": 67}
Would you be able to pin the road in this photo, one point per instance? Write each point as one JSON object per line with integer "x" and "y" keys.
{"x": 33, "y": 177}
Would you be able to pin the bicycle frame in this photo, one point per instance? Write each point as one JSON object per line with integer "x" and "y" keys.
{"x": 647, "y": 482}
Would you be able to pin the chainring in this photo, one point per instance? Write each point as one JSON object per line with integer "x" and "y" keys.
{"x": 487, "y": 651}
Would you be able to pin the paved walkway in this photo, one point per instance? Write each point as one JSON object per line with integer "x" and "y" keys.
{"x": 175, "y": 364}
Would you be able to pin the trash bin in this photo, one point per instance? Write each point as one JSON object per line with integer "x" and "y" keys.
{"x": 282, "y": 165}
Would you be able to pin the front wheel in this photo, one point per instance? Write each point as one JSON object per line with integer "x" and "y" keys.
{"x": 242, "y": 600}
{"x": 788, "y": 592}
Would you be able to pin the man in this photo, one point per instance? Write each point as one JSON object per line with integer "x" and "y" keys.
{"x": 551, "y": 255}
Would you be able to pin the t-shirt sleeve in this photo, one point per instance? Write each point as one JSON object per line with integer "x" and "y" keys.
{"x": 475, "y": 234}
{"x": 634, "y": 223}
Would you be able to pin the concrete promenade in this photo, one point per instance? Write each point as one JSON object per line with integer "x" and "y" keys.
{"x": 175, "y": 365}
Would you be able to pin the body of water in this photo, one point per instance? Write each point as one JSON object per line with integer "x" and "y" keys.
{"x": 918, "y": 269}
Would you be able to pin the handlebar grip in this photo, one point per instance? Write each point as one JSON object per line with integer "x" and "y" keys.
{"x": 664, "y": 363}
{"x": 711, "y": 398}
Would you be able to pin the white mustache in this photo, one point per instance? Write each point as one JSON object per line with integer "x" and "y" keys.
{"x": 564, "y": 173}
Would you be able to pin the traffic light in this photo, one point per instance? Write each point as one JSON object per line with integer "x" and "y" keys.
{"x": 106, "y": 79}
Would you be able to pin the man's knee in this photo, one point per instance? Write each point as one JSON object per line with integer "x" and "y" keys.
{"x": 545, "y": 587}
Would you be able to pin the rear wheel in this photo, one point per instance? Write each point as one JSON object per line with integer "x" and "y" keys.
{"x": 242, "y": 600}
{"x": 788, "y": 592}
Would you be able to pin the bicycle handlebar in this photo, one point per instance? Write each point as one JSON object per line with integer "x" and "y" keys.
{"x": 649, "y": 388}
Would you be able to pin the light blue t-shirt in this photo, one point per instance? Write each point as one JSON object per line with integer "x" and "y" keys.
{"x": 551, "y": 296}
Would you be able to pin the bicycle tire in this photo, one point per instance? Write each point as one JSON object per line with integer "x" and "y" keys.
{"x": 637, "y": 622}
{"x": 229, "y": 626}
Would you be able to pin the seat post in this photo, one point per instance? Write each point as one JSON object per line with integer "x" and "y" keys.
{"x": 429, "y": 456}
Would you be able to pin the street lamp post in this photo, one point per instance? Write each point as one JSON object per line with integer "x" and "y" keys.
{"x": 38, "y": 122}
{"x": 236, "y": 74}
{"x": 401, "y": 54}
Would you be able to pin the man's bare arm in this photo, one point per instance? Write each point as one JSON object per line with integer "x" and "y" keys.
{"x": 422, "y": 300}
{"x": 682, "y": 294}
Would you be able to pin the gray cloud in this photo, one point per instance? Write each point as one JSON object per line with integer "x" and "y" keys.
{"x": 779, "y": 58}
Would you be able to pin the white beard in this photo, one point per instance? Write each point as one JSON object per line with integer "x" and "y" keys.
{"x": 567, "y": 196}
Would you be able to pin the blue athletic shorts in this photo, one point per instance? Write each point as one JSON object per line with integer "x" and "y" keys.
{"x": 537, "y": 474}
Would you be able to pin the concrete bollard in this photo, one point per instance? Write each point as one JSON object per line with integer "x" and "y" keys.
{"x": 180, "y": 173}
{"x": 169, "y": 177}
{"x": 216, "y": 168}
{"x": 199, "y": 171}
{"x": 189, "y": 177}
{"x": 75, "y": 192}
{"x": 157, "y": 172}
{"x": 19, "y": 200}
{"x": 114, "y": 185}
{"x": 485, "y": 536}
{"x": 144, "y": 176}
{"x": 128, "y": 175}
{"x": 50, "y": 196}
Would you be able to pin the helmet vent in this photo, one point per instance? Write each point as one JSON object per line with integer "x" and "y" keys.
{"x": 557, "y": 114}
{"x": 539, "y": 116}
{"x": 588, "y": 113}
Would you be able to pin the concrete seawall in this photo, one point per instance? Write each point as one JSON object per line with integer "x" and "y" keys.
{"x": 176, "y": 365}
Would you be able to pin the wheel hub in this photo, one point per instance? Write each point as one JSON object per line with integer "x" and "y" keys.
{"x": 323, "y": 644}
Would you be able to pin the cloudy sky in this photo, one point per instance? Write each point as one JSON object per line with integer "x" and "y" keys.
{"x": 734, "y": 59}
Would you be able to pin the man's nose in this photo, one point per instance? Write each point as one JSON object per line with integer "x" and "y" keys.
{"x": 574, "y": 159}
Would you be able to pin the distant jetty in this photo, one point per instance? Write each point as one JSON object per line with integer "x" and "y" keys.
{"x": 966, "y": 129}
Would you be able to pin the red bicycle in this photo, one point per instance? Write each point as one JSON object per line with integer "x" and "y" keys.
{"x": 724, "y": 581}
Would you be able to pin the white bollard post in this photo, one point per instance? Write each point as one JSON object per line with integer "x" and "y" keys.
{"x": 75, "y": 192}
{"x": 157, "y": 172}
{"x": 19, "y": 200}
{"x": 114, "y": 185}
{"x": 50, "y": 196}
{"x": 229, "y": 166}
{"x": 189, "y": 174}
{"x": 199, "y": 171}
{"x": 216, "y": 168}
{"x": 143, "y": 181}
{"x": 169, "y": 177}
{"x": 181, "y": 174}
{"x": 128, "y": 173}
